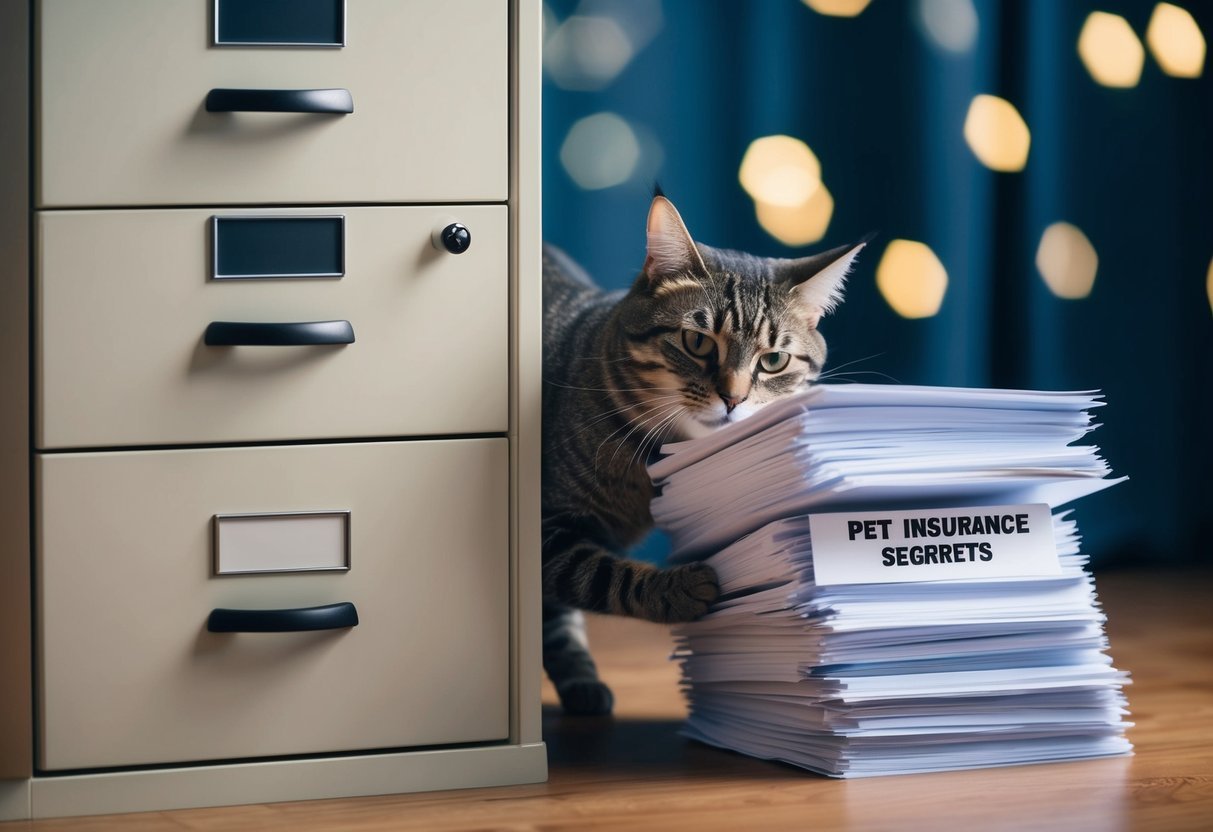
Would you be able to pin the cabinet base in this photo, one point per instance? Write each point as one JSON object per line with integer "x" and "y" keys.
{"x": 272, "y": 782}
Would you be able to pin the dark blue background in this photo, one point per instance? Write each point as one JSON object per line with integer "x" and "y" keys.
{"x": 883, "y": 109}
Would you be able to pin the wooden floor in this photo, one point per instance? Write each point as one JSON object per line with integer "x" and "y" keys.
{"x": 634, "y": 772}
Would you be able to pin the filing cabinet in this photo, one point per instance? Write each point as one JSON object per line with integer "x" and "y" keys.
{"x": 269, "y": 346}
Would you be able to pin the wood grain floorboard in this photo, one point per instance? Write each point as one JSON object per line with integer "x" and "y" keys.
{"x": 634, "y": 772}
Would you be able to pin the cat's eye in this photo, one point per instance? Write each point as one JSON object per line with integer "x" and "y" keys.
{"x": 698, "y": 344}
{"x": 773, "y": 362}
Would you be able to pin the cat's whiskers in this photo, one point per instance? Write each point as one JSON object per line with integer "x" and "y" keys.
{"x": 630, "y": 405}
{"x": 836, "y": 372}
{"x": 669, "y": 415}
{"x": 855, "y": 361}
{"x": 609, "y": 413}
{"x": 602, "y": 359}
{"x": 645, "y": 421}
{"x": 833, "y": 375}
{"x": 630, "y": 422}
{"x": 667, "y": 430}
{"x": 639, "y": 455}
{"x": 607, "y": 389}
{"x": 656, "y": 413}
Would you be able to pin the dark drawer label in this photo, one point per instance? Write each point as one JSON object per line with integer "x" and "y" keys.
{"x": 279, "y": 22}
{"x": 267, "y": 247}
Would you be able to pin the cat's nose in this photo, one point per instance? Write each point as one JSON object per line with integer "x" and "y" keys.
{"x": 730, "y": 402}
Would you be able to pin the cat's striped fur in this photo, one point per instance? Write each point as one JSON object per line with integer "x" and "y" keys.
{"x": 696, "y": 343}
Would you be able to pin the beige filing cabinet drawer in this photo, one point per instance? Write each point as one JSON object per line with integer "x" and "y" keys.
{"x": 122, "y": 117}
{"x": 126, "y": 297}
{"x": 129, "y": 673}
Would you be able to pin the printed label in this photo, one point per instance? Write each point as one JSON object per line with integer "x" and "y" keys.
{"x": 947, "y": 544}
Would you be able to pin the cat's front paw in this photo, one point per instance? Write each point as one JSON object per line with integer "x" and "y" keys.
{"x": 585, "y": 697}
{"x": 691, "y": 590}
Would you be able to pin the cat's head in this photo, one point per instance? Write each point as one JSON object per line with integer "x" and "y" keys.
{"x": 713, "y": 335}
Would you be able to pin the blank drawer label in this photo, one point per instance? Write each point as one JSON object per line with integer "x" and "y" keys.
{"x": 262, "y": 247}
{"x": 312, "y": 541}
{"x": 250, "y": 248}
{"x": 279, "y": 22}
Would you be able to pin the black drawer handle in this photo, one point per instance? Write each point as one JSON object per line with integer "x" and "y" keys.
{"x": 279, "y": 101}
{"x": 328, "y": 617}
{"x": 311, "y": 333}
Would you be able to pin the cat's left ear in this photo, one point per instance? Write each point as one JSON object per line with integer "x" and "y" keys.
{"x": 670, "y": 249}
{"x": 819, "y": 279}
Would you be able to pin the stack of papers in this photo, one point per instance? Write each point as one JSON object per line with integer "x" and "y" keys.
{"x": 861, "y": 679}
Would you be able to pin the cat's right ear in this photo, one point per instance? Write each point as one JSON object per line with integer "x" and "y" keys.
{"x": 818, "y": 280}
{"x": 670, "y": 250}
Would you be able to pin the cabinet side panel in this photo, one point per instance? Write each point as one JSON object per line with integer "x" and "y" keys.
{"x": 16, "y": 734}
{"x": 527, "y": 313}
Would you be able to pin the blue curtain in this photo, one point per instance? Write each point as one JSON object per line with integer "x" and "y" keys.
{"x": 883, "y": 109}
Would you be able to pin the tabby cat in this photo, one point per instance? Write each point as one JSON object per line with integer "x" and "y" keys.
{"x": 703, "y": 338}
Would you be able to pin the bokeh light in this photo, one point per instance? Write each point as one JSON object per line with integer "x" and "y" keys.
{"x": 1209, "y": 286}
{"x": 798, "y": 225}
{"x": 1067, "y": 261}
{"x": 600, "y": 151}
{"x": 1110, "y": 50}
{"x": 951, "y": 25}
{"x": 997, "y": 134}
{"x": 641, "y": 20}
{"x": 911, "y": 279}
{"x": 780, "y": 170}
{"x": 838, "y": 8}
{"x": 586, "y": 52}
{"x": 1176, "y": 41}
